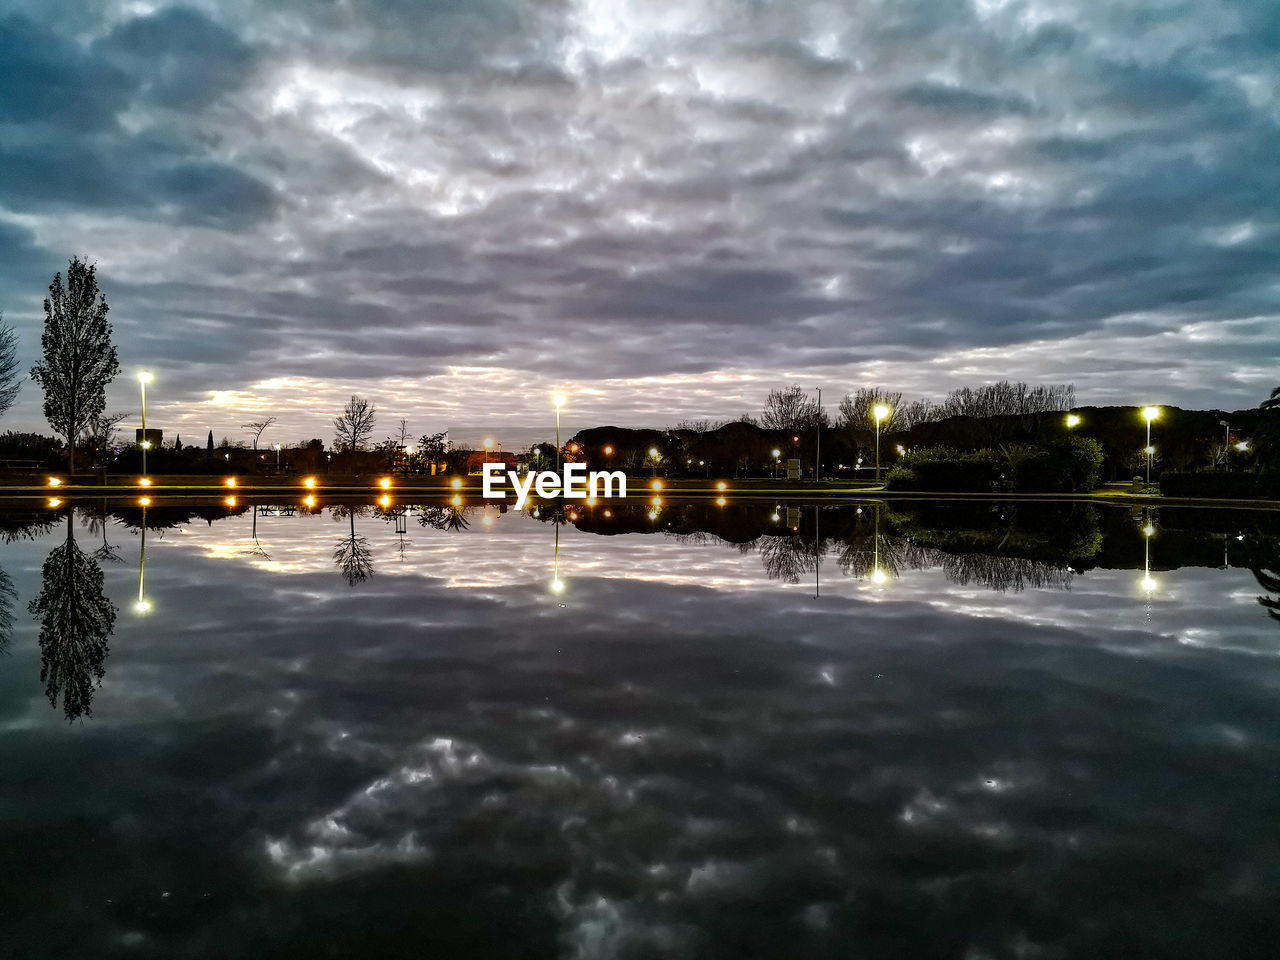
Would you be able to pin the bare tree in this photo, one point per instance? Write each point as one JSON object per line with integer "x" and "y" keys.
{"x": 79, "y": 356}
{"x": 402, "y": 430}
{"x": 791, "y": 408}
{"x": 257, "y": 428}
{"x": 9, "y": 376}
{"x": 355, "y": 426}
{"x": 857, "y": 409}
{"x": 100, "y": 431}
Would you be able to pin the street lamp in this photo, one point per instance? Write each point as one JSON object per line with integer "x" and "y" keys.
{"x": 1073, "y": 420}
{"x": 1149, "y": 414}
{"x": 777, "y": 454}
{"x": 277, "y": 458}
{"x": 558, "y": 400}
{"x": 653, "y": 459}
{"x": 143, "y": 379}
{"x": 880, "y": 411}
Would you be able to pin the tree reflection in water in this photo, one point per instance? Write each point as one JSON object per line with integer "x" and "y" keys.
{"x": 449, "y": 518}
{"x": 1264, "y": 562}
{"x": 97, "y": 521}
{"x": 76, "y": 621}
{"x": 8, "y": 596}
{"x": 352, "y": 555}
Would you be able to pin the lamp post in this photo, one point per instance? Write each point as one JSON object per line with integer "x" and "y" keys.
{"x": 143, "y": 379}
{"x": 777, "y": 454}
{"x": 1149, "y": 414}
{"x": 880, "y": 411}
{"x": 653, "y": 459}
{"x": 558, "y": 400}
{"x": 817, "y": 454}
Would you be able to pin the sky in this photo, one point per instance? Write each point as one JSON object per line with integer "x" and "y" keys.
{"x": 458, "y": 208}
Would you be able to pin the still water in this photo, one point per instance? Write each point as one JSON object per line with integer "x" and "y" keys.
{"x": 758, "y": 730}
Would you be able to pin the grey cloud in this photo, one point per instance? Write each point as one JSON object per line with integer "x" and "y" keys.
{"x": 396, "y": 187}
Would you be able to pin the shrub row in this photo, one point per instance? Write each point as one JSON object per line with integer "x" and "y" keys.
{"x": 1071, "y": 464}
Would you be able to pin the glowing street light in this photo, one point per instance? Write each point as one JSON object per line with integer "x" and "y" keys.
{"x": 1073, "y": 420}
{"x": 1149, "y": 414}
{"x": 143, "y": 379}
{"x": 879, "y": 411}
{"x": 277, "y": 458}
{"x": 777, "y": 456}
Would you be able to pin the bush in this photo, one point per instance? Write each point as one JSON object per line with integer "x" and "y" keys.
{"x": 1067, "y": 465}
{"x": 1214, "y": 484}
{"x": 945, "y": 469}
{"x": 902, "y": 478}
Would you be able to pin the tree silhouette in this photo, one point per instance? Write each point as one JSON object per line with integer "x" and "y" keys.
{"x": 79, "y": 356}
{"x": 791, "y": 408}
{"x": 256, "y": 427}
{"x": 76, "y": 621}
{"x": 9, "y": 377}
{"x": 209, "y": 445}
{"x": 352, "y": 554}
{"x": 100, "y": 432}
{"x": 355, "y": 426}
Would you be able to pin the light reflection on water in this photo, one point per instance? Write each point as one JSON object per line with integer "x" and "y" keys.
{"x": 922, "y": 730}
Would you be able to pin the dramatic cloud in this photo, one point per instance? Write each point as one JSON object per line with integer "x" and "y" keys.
{"x": 662, "y": 208}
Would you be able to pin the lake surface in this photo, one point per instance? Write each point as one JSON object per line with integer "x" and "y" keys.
{"x": 961, "y": 730}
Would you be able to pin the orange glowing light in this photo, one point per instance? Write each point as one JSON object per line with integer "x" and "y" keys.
{"x": 144, "y": 482}
{"x": 456, "y": 501}
{"x": 721, "y": 501}
{"x": 55, "y": 482}
{"x": 309, "y": 483}
{"x": 384, "y": 501}
{"x": 230, "y": 501}
{"x": 144, "y": 501}
{"x": 385, "y": 483}
{"x": 55, "y": 502}
{"x": 309, "y": 500}
{"x": 230, "y": 482}
{"x": 455, "y": 483}
{"x": 722, "y": 485}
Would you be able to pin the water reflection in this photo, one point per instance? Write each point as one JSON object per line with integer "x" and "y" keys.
{"x": 8, "y": 597}
{"x": 76, "y": 622}
{"x": 353, "y": 555}
{"x": 703, "y": 758}
{"x": 1264, "y": 563}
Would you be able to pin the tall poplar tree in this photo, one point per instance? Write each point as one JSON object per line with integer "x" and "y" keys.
{"x": 79, "y": 355}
